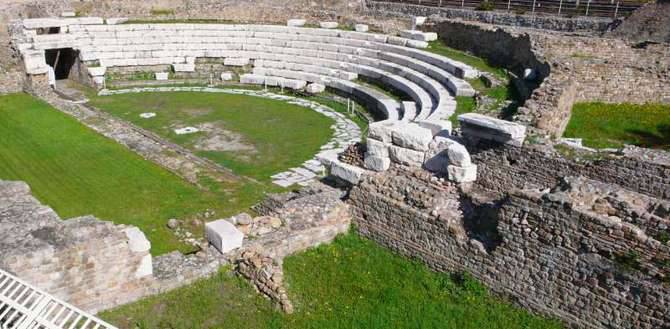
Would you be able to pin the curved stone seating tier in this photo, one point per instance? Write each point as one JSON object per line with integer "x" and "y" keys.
{"x": 284, "y": 56}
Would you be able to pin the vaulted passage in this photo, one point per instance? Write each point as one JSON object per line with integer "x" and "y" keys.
{"x": 62, "y": 60}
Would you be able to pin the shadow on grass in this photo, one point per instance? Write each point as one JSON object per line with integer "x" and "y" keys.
{"x": 658, "y": 140}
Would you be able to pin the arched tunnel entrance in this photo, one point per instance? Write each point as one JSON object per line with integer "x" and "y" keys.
{"x": 62, "y": 60}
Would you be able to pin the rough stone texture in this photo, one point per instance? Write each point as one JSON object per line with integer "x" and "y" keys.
{"x": 556, "y": 253}
{"x": 503, "y": 168}
{"x": 492, "y": 17}
{"x": 480, "y": 126}
{"x": 92, "y": 264}
{"x": 649, "y": 23}
{"x": 568, "y": 69}
{"x": 267, "y": 275}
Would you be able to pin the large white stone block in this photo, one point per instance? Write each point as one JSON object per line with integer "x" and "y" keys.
{"x": 116, "y": 20}
{"x": 480, "y": 126}
{"x": 406, "y": 157}
{"x": 462, "y": 174}
{"x": 315, "y": 88}
{"x": 412, "y": 136}
{"x": 162, "y": 76}
{"x": 226, "y": 76}
{"x": 418, "y": 35}
{"x": 418, "y": 21}
{"x": 146, "y": 267}
{"x": 223, "y": 235}
{"x": 361, "y": 28}
{"x": 137, "y": 241}
{"x": 381, "y": 130}
{"x": 235, "y": 61}
{"x": 377, "y": 163}
{"x": 35, "y": 62}
{"x": 459, "y": 155}
{"x": 328, "y": 25}
{"x": 346, "y": 172}
{"x": 97, "y": 71}
{"x": 377, "y": 148}
{"x": 187, "y": 67}
{"x": 296, "y": 22}
{"x": 437, "y": 127}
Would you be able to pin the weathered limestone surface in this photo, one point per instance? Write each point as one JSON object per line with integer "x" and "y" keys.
{"x": 223, "y": 235}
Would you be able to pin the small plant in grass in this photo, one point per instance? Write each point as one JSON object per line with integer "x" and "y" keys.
{"x": 486, "y": 5}
{"x": 662, "y": 237}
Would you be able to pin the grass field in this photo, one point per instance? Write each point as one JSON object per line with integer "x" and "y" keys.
{"x": 263, "y": 136}
{"x": 351, "y": 283}
{"x": 612, "y": 125}
{"x": 78, "y": 172}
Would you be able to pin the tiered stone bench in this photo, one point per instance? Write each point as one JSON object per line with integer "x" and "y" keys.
{"x": 282, "y": 56}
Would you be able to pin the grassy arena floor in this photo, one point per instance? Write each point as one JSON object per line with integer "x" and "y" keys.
{"x": 351, "y": 283}
{"x": 78, "y": 172}
{"x": 263, "y": 136}
{"x": 612, "y": 125}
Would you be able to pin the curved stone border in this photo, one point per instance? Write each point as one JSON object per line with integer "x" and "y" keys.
{"x": 346, "y": 131}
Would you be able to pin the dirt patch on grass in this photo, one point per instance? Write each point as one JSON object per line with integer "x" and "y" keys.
{"x": 198, "y": 111}
{"x": 217, "y": 138}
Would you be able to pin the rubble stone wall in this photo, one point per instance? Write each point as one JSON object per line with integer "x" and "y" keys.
{"x": 85, "y": 261}
{"x": 503, "y": 167}
{"x": 592, "y": 24}
{"x": 544, "y": 252}
{"x": 568, "y": 69}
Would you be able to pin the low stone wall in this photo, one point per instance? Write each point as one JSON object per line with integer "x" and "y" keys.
{"x": 590, "y": 24}
{"x": 87, "y": 262}
{"x": 503, "y": 167}
{"x": 550, "y": 252}
{"x": 567, "y": 69}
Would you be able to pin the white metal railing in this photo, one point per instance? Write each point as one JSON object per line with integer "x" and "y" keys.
{"x": 23, "y": 306}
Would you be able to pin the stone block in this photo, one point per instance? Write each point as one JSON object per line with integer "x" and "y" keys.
{"x": 137, "y": 241}
{"x": 35, "y": 62}
{"x": 377, "y": 163}
{"x": 162, "y": 76}
{"x": 437, "y": 127}
{"x": 459, "y": 155}
{"x": 146, "y": 267}
{"x": 412, "y": 136}
{"x": 418, "y": 35}
{"x": 480, "y": 126}
{"x": 223, "y": 235}
{"x": 361, "y": 28}
{"x": 68, "y": 14}
{"x": 406, "y": 157}
{"x": 437, "y": 158}
{"x": 97, "y": 71}
{"x": 462, "y": 174}
{"x": 116, "y": 20}
{"x": 188, "y": 67}
{"x": 418, "y": 21}
{"x": 296, "y": 22}
{"x": 235, "y": 61}
{"x": 377, "y": 148}
{"x": 381, "y": 130}
{"x": 226, "y": 76}
{"x": 328, "y": 25}
{"x": 346, "y": 172}
{"x": 315, "y": 88}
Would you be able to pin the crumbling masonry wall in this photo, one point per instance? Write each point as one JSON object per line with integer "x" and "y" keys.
{"x": 553, "y": 254}
{"x": 567, "y": 68}
{"x": 87, "y": 262}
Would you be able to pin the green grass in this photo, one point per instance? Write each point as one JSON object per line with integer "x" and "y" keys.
{"x": 613, "y": 125}
{"x": 78, "y": 172}
{"x": 282, "y": 135}
{"x": 351, "y": 283}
